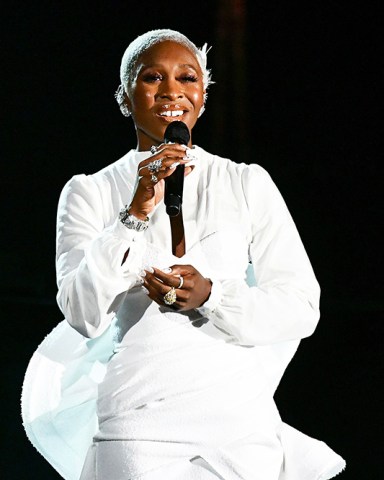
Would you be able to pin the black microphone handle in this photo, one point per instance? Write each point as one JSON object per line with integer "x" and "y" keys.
{"x": 176, "y": 132}
{"x": 173, "y": 194}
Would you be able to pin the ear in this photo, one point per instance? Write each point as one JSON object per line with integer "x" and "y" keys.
{"x": 125, "y": 105}
{"x": 127, "y": 101}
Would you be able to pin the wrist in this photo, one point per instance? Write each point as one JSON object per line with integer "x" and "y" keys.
{"x": 131, "y": 221}
{"x": 209, "y": 290}
{"x": 213, "y": 299}
{"x": 137, "y": 213}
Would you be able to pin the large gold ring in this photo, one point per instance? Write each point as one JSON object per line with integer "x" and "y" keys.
{"x": 170, "y": 297}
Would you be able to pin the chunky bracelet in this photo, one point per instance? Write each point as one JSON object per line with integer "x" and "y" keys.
{"x": 132, "y": 222}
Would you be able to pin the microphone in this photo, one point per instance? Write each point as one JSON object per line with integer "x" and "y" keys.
{"x": 176, "y": 132}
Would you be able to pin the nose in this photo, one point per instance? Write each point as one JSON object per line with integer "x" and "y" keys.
{"x": 171, "y": 89}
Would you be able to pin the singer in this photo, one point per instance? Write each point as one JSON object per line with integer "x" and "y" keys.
{"x": 179, "y": 322}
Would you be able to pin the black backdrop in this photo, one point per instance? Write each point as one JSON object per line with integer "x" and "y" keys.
{"x": 309, "y": 113}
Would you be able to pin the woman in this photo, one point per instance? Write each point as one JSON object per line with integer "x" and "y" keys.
{"x": 200, "y": 341}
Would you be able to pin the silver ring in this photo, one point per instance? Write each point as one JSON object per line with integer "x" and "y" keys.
{"x": 153, "y": 149}
{"x": 181, "y": 282}
{"x": 170, "y": 297}
{"x": 155, "y": 166}
{"x": 154, "y": 179}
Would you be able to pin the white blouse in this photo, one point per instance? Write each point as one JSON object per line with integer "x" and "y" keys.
{"x": 234, "y": 209}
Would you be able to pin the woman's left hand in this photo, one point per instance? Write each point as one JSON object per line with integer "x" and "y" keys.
{"x": 193, "y": 292}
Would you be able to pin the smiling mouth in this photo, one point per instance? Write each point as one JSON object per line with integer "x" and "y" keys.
{"x": 172, "y": 113}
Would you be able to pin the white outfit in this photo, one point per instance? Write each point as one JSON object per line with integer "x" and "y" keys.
{"x": 185, "y": 395}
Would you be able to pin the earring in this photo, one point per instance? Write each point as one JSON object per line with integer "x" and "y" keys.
{"x": 120, "y": 98}
{"x": 125, "y": 110}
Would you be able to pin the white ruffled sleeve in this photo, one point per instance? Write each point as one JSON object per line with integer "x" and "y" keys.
{"x": 284, "y": 303}
{"x": 91, "y": 278}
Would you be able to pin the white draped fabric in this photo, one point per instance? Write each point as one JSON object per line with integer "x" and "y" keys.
{"x": 160, "y": 394}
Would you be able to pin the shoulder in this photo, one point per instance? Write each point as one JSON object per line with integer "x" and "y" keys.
{"x": 91, "y": 184}
{"x": 245, "y": 173}
{"x": 247, "y": 183}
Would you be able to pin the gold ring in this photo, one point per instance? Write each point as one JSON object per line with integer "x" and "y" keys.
{"x": 170, "y": 297}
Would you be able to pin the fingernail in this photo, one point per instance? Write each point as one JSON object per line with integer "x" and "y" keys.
{"x": 166, "y": 270}
{"x": 145, "y": 290}
{"x": 150, "y": 270}
{"x": 174, "y": 165}
{"x": 142, "y": 273}
{"x": 141, "y": 280}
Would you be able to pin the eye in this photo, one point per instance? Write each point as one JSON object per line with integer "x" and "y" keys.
{"x": 189, "y": 77}
{"x": 151, "y": 77}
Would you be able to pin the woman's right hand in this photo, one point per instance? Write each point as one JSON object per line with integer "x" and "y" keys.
{"x": 148, "y": 193}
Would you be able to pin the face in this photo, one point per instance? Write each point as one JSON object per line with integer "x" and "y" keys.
{"x": 168, "y": 86}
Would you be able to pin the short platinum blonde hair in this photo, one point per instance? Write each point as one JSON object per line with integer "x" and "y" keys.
{"x": 144, "y": 42}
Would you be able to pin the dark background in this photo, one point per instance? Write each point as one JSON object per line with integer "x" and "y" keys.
{"x": 296, "y": 91}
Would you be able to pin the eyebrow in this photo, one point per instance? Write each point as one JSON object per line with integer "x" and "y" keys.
{"x": 187, "y": 65}
{"x": 155, "y": 65}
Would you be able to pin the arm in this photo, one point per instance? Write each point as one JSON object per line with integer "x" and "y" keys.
{"x": 97, "y": 265}
{"x": 284, "y": 304}
{"x": 91, "y": 278}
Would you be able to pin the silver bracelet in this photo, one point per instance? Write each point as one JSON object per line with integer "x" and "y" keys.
{"x": 132, "y": 222}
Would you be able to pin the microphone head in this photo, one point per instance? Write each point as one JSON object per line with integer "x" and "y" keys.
{"x": 177, "y": 132}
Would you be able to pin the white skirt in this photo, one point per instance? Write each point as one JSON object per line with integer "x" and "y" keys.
{"x": 179, "y": 437}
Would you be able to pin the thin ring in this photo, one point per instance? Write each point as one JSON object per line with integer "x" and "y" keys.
{"x": 155, "y": 166}
{"x": 154, "y": 179}
{"x": 181, "y": 282}
{"x": 170, "y": 297}
{"x": 153, "y": 149}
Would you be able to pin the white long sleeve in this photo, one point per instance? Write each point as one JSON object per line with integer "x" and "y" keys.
{"x": 92, "y": 282}
{"x": 284, "y": 304}
{"x": 237, "y": 201}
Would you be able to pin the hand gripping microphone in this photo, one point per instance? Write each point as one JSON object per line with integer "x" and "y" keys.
{"x": 176, "y": 132}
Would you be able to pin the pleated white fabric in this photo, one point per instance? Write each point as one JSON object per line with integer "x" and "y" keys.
{"x": 160, "y": 394}
{"x": 59, "y": 412}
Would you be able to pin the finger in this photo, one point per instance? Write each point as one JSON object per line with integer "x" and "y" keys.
{"x": 157, "y": 288}
{"x": 153, "y": 294}
{"x": 167, "y": 278}
{"x": 153, "y": 283}
{"x": 171, "y": 147}
{"x": 150, "y": 180}
{"x": 178, "y": 151}
{"x": 168, "y": 154}
{"x": 183, "y": 270}
{"x": 177, "y": 281}
{"x": 166, "y": 164}
{"x": 158, "y": 296}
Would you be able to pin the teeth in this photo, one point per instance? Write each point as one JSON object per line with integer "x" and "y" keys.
{"x": 172, "y": 113}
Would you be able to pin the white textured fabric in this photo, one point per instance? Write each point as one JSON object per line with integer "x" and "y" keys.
{"x": 184, "y": 392}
